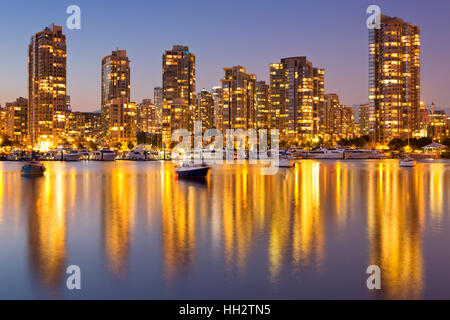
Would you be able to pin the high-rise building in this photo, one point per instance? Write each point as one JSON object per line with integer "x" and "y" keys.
{"x": 205, "y": 110}
{"x": 115, "y": 81}
{"x": 122, "y": 124}
{"x": 2, "y": 123}
{"x": 394, "y": 79}
{"x": 262, "y": 101}
{"x": 438, "y": 128}
{"x": 364, "y": 119}
{"x": 47, "y": 87}
{"x": 296, "y": 95}
{"x": 178, "y": 79}
{"x": 158, "y": 100}
{"x": 327, "y": 121}
{"x": 17, "y": 120}
{"x": 217, "y": 94}
{"x": 146, "y": 117}
{"x": 239, "y": 108}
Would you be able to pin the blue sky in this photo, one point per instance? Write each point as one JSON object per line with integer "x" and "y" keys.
{"x": 332, "y": 34}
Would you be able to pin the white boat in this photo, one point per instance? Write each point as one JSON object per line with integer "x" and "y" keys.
{"x": 71, "y": 155}
{"x": 136, "y": 155}
{"x": 103, "y": 155}
{"x": 316, "y": 154}
{"x": 357, "y": 154}
{"x": 331, "y": 154}
{"x": 407, "y": 162}
{"x": 285, "y": 162}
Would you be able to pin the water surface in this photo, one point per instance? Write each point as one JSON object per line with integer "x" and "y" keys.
{"x": 308, "y": 232}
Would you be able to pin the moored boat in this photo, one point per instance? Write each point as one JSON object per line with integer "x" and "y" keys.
{"x": 32, "y": 169}
{"x": 192, "y": 171}
{"x": 407, "y": 162}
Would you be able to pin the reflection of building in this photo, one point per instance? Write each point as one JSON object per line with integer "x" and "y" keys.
{"x": 47, "y": 87}
{"x": 178, "y": 77}
{"x": 297, "y": 95}
{"x": 395, "y": 230}
{"x": 119, "y": 194}
{"x": 115, "y": 82}
{"x": 238, "y": 88}
{"x": 263, "y": 116}
{"x": 17, "y": 120}
{"x": 394, "y": 79}
{"x": 47, "y": 229}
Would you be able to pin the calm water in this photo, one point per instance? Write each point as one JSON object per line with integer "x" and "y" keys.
{"x": 308, "y": 232}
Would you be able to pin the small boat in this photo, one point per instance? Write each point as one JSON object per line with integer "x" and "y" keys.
{"x": 32, "y": 169}
{"x": 285, "y": 162}
{"x": 192, "y": 171}
{"x": 407, "y": 162}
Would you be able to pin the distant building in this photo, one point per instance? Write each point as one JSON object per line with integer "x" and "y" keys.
{"x": 178, "y": 78}
{"x": 47, "y": 87}
{"x": 364, "y": 119}
{"x": 394, "y": 79}
{"x": 158, "y": 100}
{"x": 204, "y": 111}
{"x": 328, "y": 121}
{"x": 439, "y": 126}
{"x": 339, "y": 120}
{"x": 146, "y": 117}
{"x": 262, "y": 100}
{"x": 217, "y": 94}
{"x": 238, "y": 88}
{"x": 84, "y": 126}
{"x": 297, "y": 94}
{"x": 122, "y": 124}
{"x": 16, "y": 120}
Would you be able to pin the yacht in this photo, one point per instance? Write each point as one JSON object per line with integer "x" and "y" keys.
{"x": 316, "y": 153}
{"x": 70, "y": 155}
{"x": 136, "y": 155}
{"x": 407, "y": 162}
{"x": 331, "y": 154}
{"x": 103, "y": 155}
{"x": 357, "y": 154}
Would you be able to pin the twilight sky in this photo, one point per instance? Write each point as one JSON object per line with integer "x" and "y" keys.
{"x": 252, "y": 33}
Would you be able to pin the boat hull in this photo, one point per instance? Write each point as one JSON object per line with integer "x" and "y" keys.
{"x": 193, "y": 173}
{"x": 30, "y": 170}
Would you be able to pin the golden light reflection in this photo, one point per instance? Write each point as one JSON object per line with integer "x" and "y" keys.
{"x": 395, "y": 224}
{"x": 47, "y": 228}
{"x": 118, "y": 213}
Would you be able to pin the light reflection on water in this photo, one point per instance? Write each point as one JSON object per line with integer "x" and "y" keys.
{"x": 307, "y": 232}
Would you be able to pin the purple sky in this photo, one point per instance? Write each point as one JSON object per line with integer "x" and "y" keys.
{"x": 332, "y": 34}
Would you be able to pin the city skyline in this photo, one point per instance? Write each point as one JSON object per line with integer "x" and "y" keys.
{"x": 85, "y": 95}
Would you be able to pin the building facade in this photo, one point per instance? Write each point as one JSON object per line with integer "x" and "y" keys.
{"x": 364, "y": 119}
{"x": 178, "y": 79}
{"x": 47, "y": 110}
{"x": 238, "y": 92}
{"x": 394, "y": 79}
{"x": 205, "y": 110}
{"x": 297, "y": 94}
{"x": 122, "y": 121}
{"x": 115, "y": 82}
{"x": 16, "y": 120}
{"x": 262, "y": 101}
